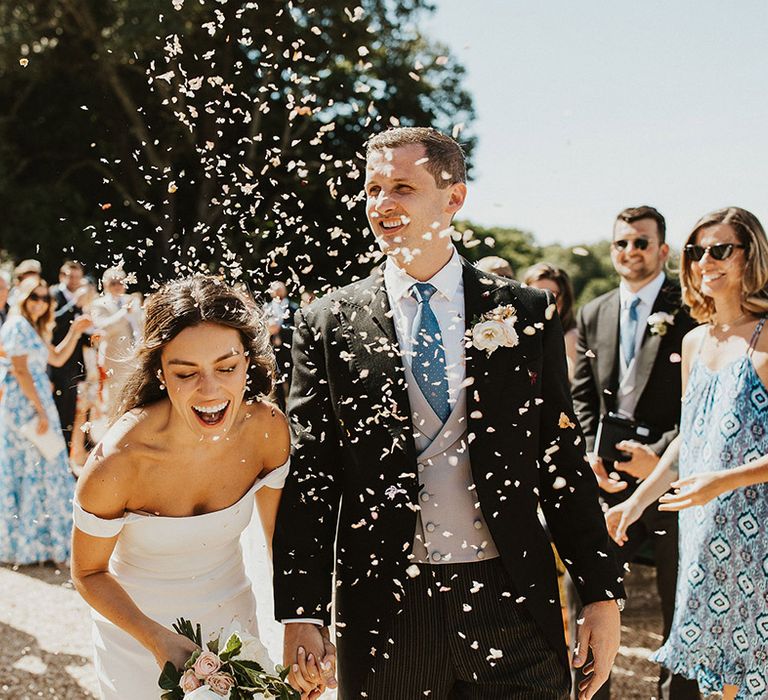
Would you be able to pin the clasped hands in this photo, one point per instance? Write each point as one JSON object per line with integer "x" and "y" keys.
{"x": 642, "y": 462}
{"x": 311, "y": 657}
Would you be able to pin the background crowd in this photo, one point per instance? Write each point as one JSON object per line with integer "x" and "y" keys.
{"x": 65, "y": 349}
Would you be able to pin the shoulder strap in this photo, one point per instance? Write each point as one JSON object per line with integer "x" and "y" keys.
{"x": 93, "y": 525}
{"x": 755, "y": 336}
{"x": 701, "y": 343}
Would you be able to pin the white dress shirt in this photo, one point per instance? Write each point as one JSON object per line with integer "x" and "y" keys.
{"x": 626, "y": 400}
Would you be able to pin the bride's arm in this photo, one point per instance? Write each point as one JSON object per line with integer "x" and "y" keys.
{"x": 102, "y": 491}
{"x": 275, "y": 439}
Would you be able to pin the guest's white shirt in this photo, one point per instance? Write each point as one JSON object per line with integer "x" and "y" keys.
{"x": 448, "y": 306}
{"x": 647, "y": 296}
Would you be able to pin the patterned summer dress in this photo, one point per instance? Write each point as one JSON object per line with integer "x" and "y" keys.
{"x": 35, "y": 493}
{"x": 720, "y": 629}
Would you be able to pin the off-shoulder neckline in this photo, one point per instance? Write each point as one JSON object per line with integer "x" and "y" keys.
{"x": 147, "y": 514}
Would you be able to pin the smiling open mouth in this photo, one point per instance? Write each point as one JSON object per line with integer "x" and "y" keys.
{"x": 211, "y": 415}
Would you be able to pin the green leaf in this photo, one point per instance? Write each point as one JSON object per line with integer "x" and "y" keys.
{"x": 191, "y": 660}
{"x": 233, "y": 645}
{"x": 170, "y": 677}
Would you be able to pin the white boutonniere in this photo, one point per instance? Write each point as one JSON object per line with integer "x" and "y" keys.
{"x": 660, "y": 321}
{"x": 496, "y": 329}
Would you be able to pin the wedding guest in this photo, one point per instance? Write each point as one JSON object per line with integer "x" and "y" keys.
{"x": 66, "y": 296}
{"x": 496, "y": 266}
{"x": 35, "y": 490}
{"x": 118, "y": 318}
{"x": 90, "y": 410}
{"x": 24, "y": 270}
{"x": 279, "y": 306}
{"x": 628, "y": 363}
{"x": 719, "y": 634}
{"x": 167, "y": 493}
{"x": 280, "y": 337}
{"x": 555, "y": 279}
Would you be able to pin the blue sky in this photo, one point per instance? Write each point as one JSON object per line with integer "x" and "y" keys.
{"x": 586, "y": 107}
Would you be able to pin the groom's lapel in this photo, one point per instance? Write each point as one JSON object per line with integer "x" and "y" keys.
{"x": 370, "y": 334}
{"x": 486, "y": 375}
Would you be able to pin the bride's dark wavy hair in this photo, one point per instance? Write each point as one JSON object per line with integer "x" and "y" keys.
{"x": 186, "y": 303}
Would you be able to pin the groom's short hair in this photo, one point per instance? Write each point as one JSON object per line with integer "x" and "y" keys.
{"x": 445, "y": 157}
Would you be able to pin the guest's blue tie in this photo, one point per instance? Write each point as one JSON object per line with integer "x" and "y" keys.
{"x": 628, "y": 330}
{"x": 429, "y": 354}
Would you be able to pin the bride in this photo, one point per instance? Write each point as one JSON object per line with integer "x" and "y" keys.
{"x": 165, "y": 495}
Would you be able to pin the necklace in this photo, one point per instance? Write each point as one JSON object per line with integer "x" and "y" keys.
{"x": 731, "y": 323}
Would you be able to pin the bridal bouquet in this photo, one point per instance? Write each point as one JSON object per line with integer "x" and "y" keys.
{"x": 226, "y": 669}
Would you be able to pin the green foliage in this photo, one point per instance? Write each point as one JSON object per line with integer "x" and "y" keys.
{"x": 169, "y": 681}
{"x": 194, "y": 135}
{"x": 589, "y": 266}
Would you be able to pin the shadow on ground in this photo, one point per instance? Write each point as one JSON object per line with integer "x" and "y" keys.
{"x": 47, "y": 573}
{"x": 28, "y": 671}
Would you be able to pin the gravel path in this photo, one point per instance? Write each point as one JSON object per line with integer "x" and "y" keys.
{"x": 46, "y": 647}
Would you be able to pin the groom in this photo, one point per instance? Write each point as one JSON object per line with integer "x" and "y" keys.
{"x": 421, "y": 457}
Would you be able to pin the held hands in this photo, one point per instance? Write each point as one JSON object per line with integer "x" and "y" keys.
{"x": 619, "y": 518}
{"x": 643, "y": 461}
{"x": 311, "y": 656}
{"x": 599, "y": 629}
{"x": 607, "y": 483}
{"x": 695, "y": 491}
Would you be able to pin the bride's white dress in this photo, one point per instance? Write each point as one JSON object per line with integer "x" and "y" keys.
{"x": 172, "y": 567}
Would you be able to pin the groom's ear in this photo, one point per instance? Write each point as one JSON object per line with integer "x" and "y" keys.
{"x": 457, "y": 196}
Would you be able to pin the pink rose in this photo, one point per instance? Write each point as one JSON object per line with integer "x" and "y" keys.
{"x": 220, "y": 683}
{"x": 206, "y": 664}
{"x": 189, "y": 681}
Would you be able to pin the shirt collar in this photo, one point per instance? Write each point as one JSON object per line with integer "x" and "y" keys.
{"x": 647, "y": 294}
{"x": 447, "y": 280}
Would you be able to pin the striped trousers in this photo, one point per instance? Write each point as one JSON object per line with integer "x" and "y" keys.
{"x": 460, "y": 635}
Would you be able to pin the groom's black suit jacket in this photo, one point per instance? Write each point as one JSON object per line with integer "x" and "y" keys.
{"x": 354, "y": 465}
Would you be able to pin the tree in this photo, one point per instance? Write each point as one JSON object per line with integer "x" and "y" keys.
{"x": 589, "y": 266}
{"x": 209, "y": 134}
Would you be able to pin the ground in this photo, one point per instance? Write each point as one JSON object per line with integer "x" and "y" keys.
{"x": 46, "y": 645}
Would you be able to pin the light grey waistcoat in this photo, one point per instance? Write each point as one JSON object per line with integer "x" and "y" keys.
{"x": 450, "y": 527}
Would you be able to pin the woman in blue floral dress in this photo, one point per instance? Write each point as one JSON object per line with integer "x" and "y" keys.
{"x": 719, "y": 632}
{"x": 35, "y": 492}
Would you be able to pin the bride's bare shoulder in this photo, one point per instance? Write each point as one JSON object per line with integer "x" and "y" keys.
{"x": 267, "y": 431}
{"x": 113, "y": 466}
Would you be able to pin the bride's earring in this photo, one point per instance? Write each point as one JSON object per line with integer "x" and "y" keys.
{"x": 160, "y": 379}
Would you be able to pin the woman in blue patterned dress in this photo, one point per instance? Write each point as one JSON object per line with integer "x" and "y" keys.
{"x": 719, "y": 633}
{"x": 35, "y": 492}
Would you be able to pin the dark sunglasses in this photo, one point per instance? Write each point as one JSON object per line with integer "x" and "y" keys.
{"x": 638, "y": 243}
{"x": 719, "y": 251}
{"x": 34, "y": 296}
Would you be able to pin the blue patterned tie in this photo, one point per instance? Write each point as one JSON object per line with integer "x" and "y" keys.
{"x": 429, "y": 355}
{"x": 629, "y": 330}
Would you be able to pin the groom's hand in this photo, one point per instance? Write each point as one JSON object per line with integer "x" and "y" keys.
{"x": 304, "y": 645}
{"x": 598, "y": 629}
